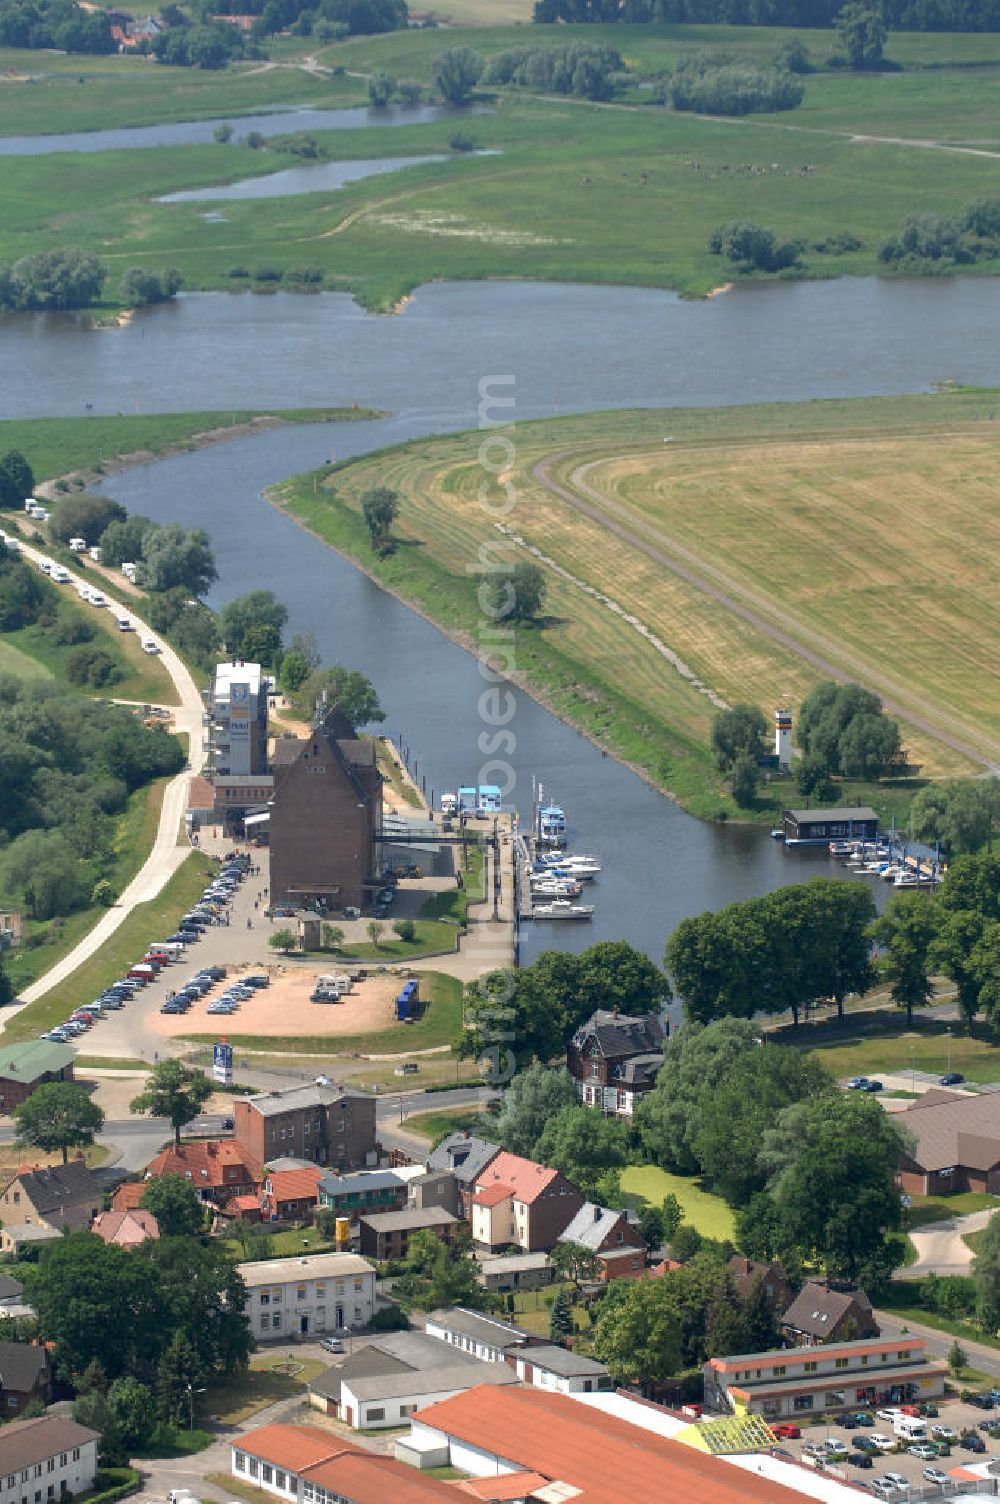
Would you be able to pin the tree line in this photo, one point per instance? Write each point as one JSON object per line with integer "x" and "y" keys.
{"x": 54, "y": 23}
{"x": 944, "y": 240}
{"x": 906, "y": 15}
{"x": 720, "y": 83}
{"x": 71, "y": 278}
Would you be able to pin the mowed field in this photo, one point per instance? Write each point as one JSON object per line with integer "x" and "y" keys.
{"x": 864, "y": 533}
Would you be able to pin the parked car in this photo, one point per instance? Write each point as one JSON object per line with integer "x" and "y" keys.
{"x": 873, "y": 1086}
{"x": 860, "y": 1459}
{"x": 890, "y": 1414}
{"x": 787, "y": 1430}
{"x": 944, "y": 1433}
{"x": 882, "y": 1443}
{"x": 332, "y": 1345}
{"x": 924, "y": 1451}
{"x": 897, "y": 1480}
{"x": 857, "y": 1083}
{"x": 972, "y": 1442}
{"x": 864, "y": 1417}
{"x": 847, "y": 1423}
{"x": 927, "y": 1407}
{"x": 935, "y": 1475}
{"x": 953, "y": 1078}
{"x": 882, "y": 1487}
{"x": 981, "y": 1401}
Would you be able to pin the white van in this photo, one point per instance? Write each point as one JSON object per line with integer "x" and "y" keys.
{"x": 910, "y": 1428}
{"x": 78, "y": 545}
{"x": 149, "y": 646}
{"x": 59, "y": 574}
{"x": 29, "y": 502}
{"x": 97, "y": 598}
{"x": 128, "y": 570}
{"x": 124, "y": 622}
{"x": 46, "y": 566}
{"x": 95, "y": 554}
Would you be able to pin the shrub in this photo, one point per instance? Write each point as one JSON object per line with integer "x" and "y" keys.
{"x": 70, "y": 628}
{"x": 237, "y": 272}
{"x": 461, "y": 142}
{"x": 716, "y": 84}
{"x": 406, "y": 930}
{"x": 390, "y": 1319}
{"x": 753, "y": 246}
{"x": 92, "y": 668}
{"x": 268, "y": 274}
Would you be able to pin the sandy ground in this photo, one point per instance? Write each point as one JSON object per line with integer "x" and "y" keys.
{"x": 284, "y": 1008}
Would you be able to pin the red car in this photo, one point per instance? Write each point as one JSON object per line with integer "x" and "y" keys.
{"x": 787, "y": 1430}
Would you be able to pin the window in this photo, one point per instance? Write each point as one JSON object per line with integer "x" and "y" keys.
{"x": 50, "y": 1492}
{"x": 240, "y": 1461}
{"x": 376, "y": 1413}
{"x": 802, "y": 1402}
{"x": 253, "y": 1467}
{"x": 619, "y": 1236}
{"x": 407, "y": 1409}
{"x": 265, "y": 1297}
{"x": 264, "y": 1322}
{"x": 778, "y": 1372}
{"x": 320, "y": 1290}
{"x": 38, "y": 1469}
{"x": 62, "y": 1461}
{"x": 300, "y": 1292}
{"x": 903, "y": 1357}
{"x": 76, "y": 1454}
{"x": 810, "y": 1367}
{"x": 276, "y": 1323}
{"x": 50, "y": 1466}
{"x": 359, "y": 1284}
{"x": 280, "y": 1479}
{"x": 266, "y": 1473}
{"x": 841, "y": 1363}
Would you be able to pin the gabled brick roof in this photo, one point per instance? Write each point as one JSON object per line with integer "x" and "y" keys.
{"x": 524, "y": 1179}
{"x": 205, "y": 1164}
{"x": 294, "y": 1185}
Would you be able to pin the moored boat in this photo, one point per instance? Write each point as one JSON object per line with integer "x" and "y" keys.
{"x": 561, "y": 908}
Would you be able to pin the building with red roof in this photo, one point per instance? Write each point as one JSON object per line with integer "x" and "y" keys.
{"x": 126, "y": 1197}
{"x": 312, "y": 1466}
{"x": 217, "y": 1168}
{"x": 581, "y": 1453}
{"x": 516, "y": 1201}
{"x": 291, "y": 1195}
{"x": 126, "y": 1229}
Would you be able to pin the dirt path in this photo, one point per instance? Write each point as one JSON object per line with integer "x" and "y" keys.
{"x": 762, "y": 614}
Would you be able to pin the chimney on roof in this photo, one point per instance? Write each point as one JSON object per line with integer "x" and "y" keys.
{"x": 597, "y": 1214}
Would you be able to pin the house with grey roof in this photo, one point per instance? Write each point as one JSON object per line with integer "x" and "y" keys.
{"x": 386, "y": 1235}
{"x": 362, "y": 1192}
{"x": 384, "y": 1382}
{"x": 39, "y": 1203}
{"x": 612, "y": 1238}
{"x": 516, "y": 1271}
{"x": 24, "y": 1376}
{"x": 58, "y": 1451}
{"x": 465, "y": 1157}
{"x": 615, "y": 1059}
{"x": 556, "y": 1368}
{"x": 819, "y": 1315}
{"x": 484, "y": 1337}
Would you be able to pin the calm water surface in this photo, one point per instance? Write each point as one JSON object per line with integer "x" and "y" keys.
{"x": 323, "y": 177}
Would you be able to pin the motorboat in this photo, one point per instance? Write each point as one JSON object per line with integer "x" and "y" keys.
{"x": 906, "y": 880}
{"x": 561, "y": 908}
{"x": 555, "y": 887}
{"x": 552, "y": 825}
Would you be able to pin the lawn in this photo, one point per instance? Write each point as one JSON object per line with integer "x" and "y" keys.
{"x": 897, "y": 1300}
{"x": 439, "y": 1023}
{"x": 230, "y": 1403}
{"x": 861, "y": 1049}
{"x": 924, "y": 1210}
{"x": 48, "y": 942}
{"x": 628, "y": 647}
{"x": 142, "y": 678}
{"x": 434, "y": 1125}
{"x": 147, "y": 922}
{"x": 705, "y": 1211}
{"x": 14, "y": 660}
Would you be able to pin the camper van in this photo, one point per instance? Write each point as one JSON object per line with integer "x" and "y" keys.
{"x": 910, "y": 1428}
{"x": 124, "y": 622}
{"x": 95, "y": 554}
{"x": 59, "y": 574}
{"x": 149, "y": 646}
{"x": 97, "y": 598}
{"x": 78, "y": 545}
{"x": 128, "y": 570}
{"x": 46, "y": 566}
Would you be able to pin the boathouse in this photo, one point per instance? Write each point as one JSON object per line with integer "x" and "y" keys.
{"x": 816, "y": 827}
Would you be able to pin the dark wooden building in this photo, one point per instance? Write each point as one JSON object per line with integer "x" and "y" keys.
{"x": 325, "y": 814}
{"x": 816, "y": 827}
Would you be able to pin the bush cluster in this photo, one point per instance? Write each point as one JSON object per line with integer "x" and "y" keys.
{"x": 579, "y": 68}
{"x": 719, "y": 84}
{"x": 946, "y": 240}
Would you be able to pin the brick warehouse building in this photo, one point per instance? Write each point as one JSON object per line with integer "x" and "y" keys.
{"x": 325, "y": 815}
{"x": 324, "y": 1124}
{"x": 24, "y": 1067}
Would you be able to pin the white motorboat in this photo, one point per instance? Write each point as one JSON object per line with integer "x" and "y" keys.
{"x": 906, "y": 880}
{"x": 552, "y": 825}
{"x": 555, "y": 887}
{"x": 561, "y": 908}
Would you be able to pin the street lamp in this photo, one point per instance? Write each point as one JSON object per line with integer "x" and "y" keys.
{"x": 191, "y": 1392}
{"x": 948, "y": 1033}
{"x": 913, "y": 1069}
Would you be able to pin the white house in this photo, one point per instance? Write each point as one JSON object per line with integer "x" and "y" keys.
{"x": 42, "y": 1459}
{"x": 322, "y": 1292}
{"x": 556, "y": 1368}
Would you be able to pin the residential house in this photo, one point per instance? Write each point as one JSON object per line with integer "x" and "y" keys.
{"x": 384, "y": 1382}
{"x": 617, "y": 1245}
{"x": 483, "y": 1337}
{"x": 364, "y": 1191}
{"x": 557, "y": 1447}
{"x": 791, "y": 1382}
{"x": 559, "y": 1370}
{"x": 11, "y": 1293}
{"x": 126, "y": 1229}
{"x": 24, "y": 1067}
{"x": 217, "y": 1168}
{"x": 821, "y": 1315}
{"x": 323, "y": 1124}
{"x": 386, "y": 1235}
{"x": 304, "y": 1465}
{"x": 515, "y": 1200}
{"x": 24, "y": 1376}
{"x": 325, "y": 815}
{"x": 127, "y": 1196}
{"x": 615, "y": 1059}
{"x": 517, "y": 1271}
{"x": 956, "y": 1144}
{"x": 290, "y": 1195}
{"x": 44, "y": 1202}
{"x": 321, "y": 1292}
{"x": 46, "y": 1459}
{"x": 464, "y": 1156}
{"x": 745, "y": 1273}
{"x": 435, "y": 1188}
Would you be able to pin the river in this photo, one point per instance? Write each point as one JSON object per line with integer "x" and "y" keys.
{"x": 569, "y": 348}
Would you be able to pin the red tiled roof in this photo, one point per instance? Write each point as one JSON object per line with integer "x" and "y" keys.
{"x": 365, "y": 1478}
{"x": 201, "y": 794}
{"x": 126, "y": 1228}
{"x": 243, "y": 1204}
{"x": 293, "y": 1448}
{"x": 525, "y": 1179}
{"x": 608, "y": 1460}
{"x": 295, "y": 1185}
{"x": 128, "y": 1195}
{"x": 205, "y": 1163}
{"x": 503, "y": 1488}
{"x": 492, "y": 1195}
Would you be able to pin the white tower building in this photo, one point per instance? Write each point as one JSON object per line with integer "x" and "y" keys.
{"x": 783, "y": 739}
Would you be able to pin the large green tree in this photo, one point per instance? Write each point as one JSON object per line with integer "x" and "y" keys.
{"x": 584, "y": 1146}
{"x": 535, "y": 1095}
{"x": 58, "y": 1116}
{"x": 638, "y": 1334}
{"x": 961, "y": 816}
{"x": 239, "y": 617}
{"x": 696, "y": 1058}
{"x": 862, "y": 33}
{"x": 456, "y": 73}
{"x": 906, "y": 933}
{"x": 174, "y": 1203}
{"x": 843, "y": 729}
{"x": 175, "y": 1092}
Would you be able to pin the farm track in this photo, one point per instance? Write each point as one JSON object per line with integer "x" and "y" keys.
{"x": 759, "y": 612}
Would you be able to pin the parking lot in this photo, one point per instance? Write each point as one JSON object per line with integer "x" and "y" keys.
{"x": 953, "y": 1419}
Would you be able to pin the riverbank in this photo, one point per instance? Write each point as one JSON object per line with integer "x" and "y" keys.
{"x": 637, "y": 657}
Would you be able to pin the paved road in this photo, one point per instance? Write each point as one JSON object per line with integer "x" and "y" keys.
{"x": 166, "y": 855}
{"x": 940, "y": 1247}
{"x": 986, "y": 1359}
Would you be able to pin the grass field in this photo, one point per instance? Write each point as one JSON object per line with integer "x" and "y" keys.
{"x": 924, "y": 1210}
{"x": 708, "y": 1213}
{"x": 14, "y": 660}
{"x": 749, "y": 494}
{"x": 896, "y": 1050}
{"x": 143, "y": 678}
{"x": 432, "y": 1125}
{"x": 439, "y": 1024}
{"x": 577, "y": 191}
{"x": 58, "y": 446}
{"x": 146, "y": 923}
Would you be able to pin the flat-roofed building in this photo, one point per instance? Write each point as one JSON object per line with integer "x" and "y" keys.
{"x": 321, "y": 1292}
{"x": 325, "y": 1125}
{"x": 817, "y": 827}
{"x": 237, "y": 708}
{"x": 310, "y": 1466}
{"x": 799, "y": 1381}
